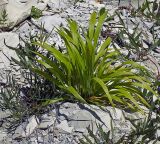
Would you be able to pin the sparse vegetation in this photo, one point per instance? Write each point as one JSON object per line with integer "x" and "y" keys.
{"x": 143, "y": 131}
{"x": 3, "y": 17}
{"x": 35, "y": 12}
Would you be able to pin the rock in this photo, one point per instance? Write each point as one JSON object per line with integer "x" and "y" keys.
{"x": 3, "y": 4}
{"x": 17, "y": 11}
{"x": 158, "y": 133}
{"x": 25, "y": 27}
{"x": 2, "y": 135}
{"x": 46, "y": 122}
{"x": 50, "y": 22}
{"x": 26, "y": 129}
{"x": 82, "y": 119}
{"x": 64, "y": 126}
{"x": 77, "y": 118}
{"x": 117, "y": 114}
{"x": 68, "y": 109}
{"x": 33, "y": 140}
{"x": 58, "y": 5}
{"x": 44, "y": 1}
{"x": 4, "y": 114}
{"x": 24, "y": 30}
{"x": 95, "y": 4}
{"x": 41, "y": 5}
{"x": 12, "y": 40}
{"x": 151, "y": 66}
{"x": 148, "y": 24}
{"x": 83, "y": 116}
{"x": 84, "y": 5}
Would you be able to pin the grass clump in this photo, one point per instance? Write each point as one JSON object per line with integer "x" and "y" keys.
{"x": 87, "y": 71}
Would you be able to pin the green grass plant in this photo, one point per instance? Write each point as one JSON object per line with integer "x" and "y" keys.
{"x": 86, "y": 71}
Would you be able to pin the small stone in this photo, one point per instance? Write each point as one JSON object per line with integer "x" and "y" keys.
{"x": 12, "y": 40}
{"x": 47, "y": 122}
{"x": 40, "y": 140}
{"x": 148, "y": 24}
{"x": 158, "y": 133}
{"x": 33, "y": 123}
{"x": 4, "y": 114}
{"x": 98, "y": 5}
{"x": 58, "y": 5}
{"x": 41, "y": 6}
{"x": 33, "y": 140}
{"x": 2, "y": 135}
{"x": 27, "y": 129}
{"x": 24, "y": 28}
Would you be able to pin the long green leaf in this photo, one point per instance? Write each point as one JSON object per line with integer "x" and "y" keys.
{"x": 92, "y": 23}
{"x": 104, "y": 87}
{"x": 101, "y": 20}
{"x": 52, "y": 101}
{"x": 101, "y": 51}
{"x": 60, "y": 57}
{"x": 72, "y": 90}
